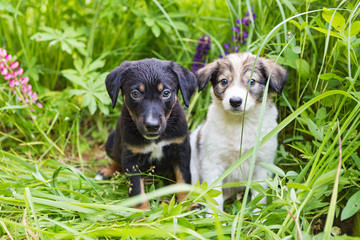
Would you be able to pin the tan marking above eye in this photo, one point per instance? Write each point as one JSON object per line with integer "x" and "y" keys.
{"x": 160, "y": 87}
{"x": 142, "y": 87}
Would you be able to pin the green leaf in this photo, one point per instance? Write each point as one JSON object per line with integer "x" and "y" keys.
{"x": 149, "y": 21}
{"x": 92, "y": 105}
{"x": 303, "y": 25}
{"x": 297, "y": 186}
{"x": 296, "y": 49}
{"x": 4, "y": 6}
{"x": 181, "y": 26}
{"x": 338, "y": 21}
{"x": 156, "y": 30}
{"x": 296, "y": 24}
{"x": 98, "y": 63}
{"x": 272, "y": 168}
{"x": 332, "y": 33}
{"x": 315, "y": 131}
{"x": 329, "y": 76}
{"x": 355, "y": 29}
{"x": 303, "y": 68}
{"x": 321, "y": 114}
{"x": 351, "y": 207}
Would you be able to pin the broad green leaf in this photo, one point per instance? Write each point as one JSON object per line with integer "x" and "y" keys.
{"x": 296, "y": 49}
{"x": 296, "y": 24}
{"x": 325, "y": 179}
{"x": 321, "y": 113}
{"x": 303, "y": 25}
{"x": 338, "y": 21}
{"x": 181, "y": 26}
{"x": 297, "y": 186}
{"x": 351, "y": 207}
{"x": 315, "y": 131}
{"x": 165, "y": 25}
{"x": 98, "y": 63}
{"x": 323, "y": 30}
{"x": 92, "y": 105}
{"x": 329, "y": 76}
{"x": 293, "y": 195}
{"x": 274, "y": 169}
{"x": 149, "y": 21}
{"x": 5, "y": 6}
{"x": 156, "y": 30}
{"x": 355, "y": 29}
{"x": 303, "y": 68}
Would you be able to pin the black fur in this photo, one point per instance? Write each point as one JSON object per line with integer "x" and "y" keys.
{"x": 151, "y": 78}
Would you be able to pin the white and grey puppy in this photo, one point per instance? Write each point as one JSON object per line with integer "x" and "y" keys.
{"x": 215, "y": 144}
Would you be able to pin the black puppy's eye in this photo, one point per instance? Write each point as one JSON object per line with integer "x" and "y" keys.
{"x": 224, "y": 81}
{"x": 252, "y": 82}
{"x": 166, "y": 94}
{"x": 135, "y": 94}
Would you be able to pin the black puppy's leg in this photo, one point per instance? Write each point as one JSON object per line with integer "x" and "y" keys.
{"x": 135, "y": 181}
{"x": 136, "y": 187}
{"x": 182, "y": 168}
{"x": 107, "y": 173}
{"x": 109, "y": 145}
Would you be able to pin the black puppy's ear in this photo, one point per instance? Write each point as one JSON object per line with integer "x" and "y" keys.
{"x": 206, "y": 74}
{"x": 278, "y": 74}
{"x": 187, "y": 81}
{"x": 114, "y": 81}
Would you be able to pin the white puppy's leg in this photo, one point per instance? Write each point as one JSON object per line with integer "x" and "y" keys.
{"x": 260, "y": 174}
{"x": 209, "y": 176}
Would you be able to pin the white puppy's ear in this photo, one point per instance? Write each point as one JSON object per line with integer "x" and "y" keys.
{"x": 278, "y": 75}
{"x": 206, "y": 74}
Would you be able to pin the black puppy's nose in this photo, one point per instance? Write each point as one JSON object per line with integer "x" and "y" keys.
{"x": 235, "y": 101}
{"x": 152, "y": 126}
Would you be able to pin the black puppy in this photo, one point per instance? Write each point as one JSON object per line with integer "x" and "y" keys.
{"x": 152, "y": 130}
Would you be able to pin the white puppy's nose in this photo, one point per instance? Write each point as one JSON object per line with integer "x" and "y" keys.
{"x": 235, "y": 101}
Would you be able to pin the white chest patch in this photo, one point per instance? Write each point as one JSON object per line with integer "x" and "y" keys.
{"x": 155, "y": 149}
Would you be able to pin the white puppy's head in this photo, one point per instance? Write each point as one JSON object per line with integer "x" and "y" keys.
{"x": 231, "y": 80}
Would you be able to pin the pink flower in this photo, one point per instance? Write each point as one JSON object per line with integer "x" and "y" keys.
{"x": 8, "y": 76}
{"x": 4, "y": 71}
{"x": 14, "y": 65}
{"x": 34, "y": 96}
{"x": 8, "y": 58}
{"x": 11, "y": 83}
{"x": 19, "y": 72}
{"x": 24, "y": 79}
{"x": 2, "y": 53}
{"x": 13, "y": 74}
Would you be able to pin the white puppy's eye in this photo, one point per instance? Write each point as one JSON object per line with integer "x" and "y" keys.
{"x": 135, "y": 94}
{"x": 252, "y": 82}
{"x": 166, "y": 94}
{"x": 224, "y": 81}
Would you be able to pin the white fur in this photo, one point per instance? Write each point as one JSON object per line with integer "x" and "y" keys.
{"x": 219, "y": 142}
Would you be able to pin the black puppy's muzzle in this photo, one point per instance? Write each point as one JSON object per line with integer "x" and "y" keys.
{"x": 152, "y": 124}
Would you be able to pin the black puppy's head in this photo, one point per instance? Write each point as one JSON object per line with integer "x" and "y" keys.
{"x": 149, "y": 88}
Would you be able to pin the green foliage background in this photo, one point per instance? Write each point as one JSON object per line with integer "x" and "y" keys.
{"x": 67, "y": 48}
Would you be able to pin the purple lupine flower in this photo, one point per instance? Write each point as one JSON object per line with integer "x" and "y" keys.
{"x": 11, "y": 72}
{"x": 240, "y": 34}
{"x": 202, "y": 50}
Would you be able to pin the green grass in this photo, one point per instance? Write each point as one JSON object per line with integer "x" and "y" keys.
{"x": 67, "y": 48}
